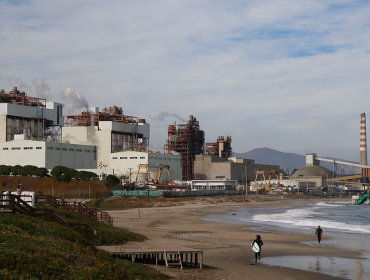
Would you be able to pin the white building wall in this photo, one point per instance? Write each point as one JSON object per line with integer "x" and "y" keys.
{"x": 47, "y": 154}
{"x": 23, "y": 153}
{"x": 90, "y": 135}
{"x": 122, "y": 162}
{"x": 2, "y": 127}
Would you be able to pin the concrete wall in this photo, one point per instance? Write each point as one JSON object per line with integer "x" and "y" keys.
{"x": 122, "y": 162}
{"x": 47, "y": 154}
{"x": 213, "y": 167}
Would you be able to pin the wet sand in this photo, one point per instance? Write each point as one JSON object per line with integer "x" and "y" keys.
{"x": 227, "y": 253}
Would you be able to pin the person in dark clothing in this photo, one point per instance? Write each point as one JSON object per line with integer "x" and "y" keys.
{"x": 318, "y": 233}
{"x": 259, "y": 241}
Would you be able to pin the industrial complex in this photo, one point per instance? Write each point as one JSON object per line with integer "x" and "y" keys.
{"x": 34, "y": 131}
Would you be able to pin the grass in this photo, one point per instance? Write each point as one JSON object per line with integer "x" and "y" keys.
{"x": 32, "y": 248}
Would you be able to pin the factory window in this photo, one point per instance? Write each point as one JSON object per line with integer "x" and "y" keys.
{"x": 58, "y": 149}
{"x": 16, "y": 148}
{"x": 124, "y": 157}
{"x": 142, "y": 157}
{"x": 50, "y": 148}
{"x": 38, "y": 148}
{"x": 114, "y": 157}
{"x": 78, "y": 150}
{"x": 27, "y": 148}
{"x": 5, "y": 149}
{"x": 133, "y": 157}
{"x": 87, "y": 151}
{"x": 64, "y": 149}
{"x": 71, "y": 150}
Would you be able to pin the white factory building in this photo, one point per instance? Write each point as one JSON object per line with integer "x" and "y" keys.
{"x": 34, "y": 131}
{"x": 141, "y": 165}
{"x": 47, "y": 154}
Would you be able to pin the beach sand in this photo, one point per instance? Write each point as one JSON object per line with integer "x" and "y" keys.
{"x": 226, "y": 247}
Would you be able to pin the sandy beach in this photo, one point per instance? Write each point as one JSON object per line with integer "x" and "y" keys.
{"x": 226, "y": 248}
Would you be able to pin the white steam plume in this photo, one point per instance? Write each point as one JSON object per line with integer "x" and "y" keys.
{"x": 42, "y": 89}
{"x": 73, "y": 101}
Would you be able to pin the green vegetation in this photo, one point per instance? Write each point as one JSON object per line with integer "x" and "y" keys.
{"x": 27, "y": 170}
{"x": 65, "y": 174}
{"x": 32, "y": 248}
{"x": 112, "y": 181}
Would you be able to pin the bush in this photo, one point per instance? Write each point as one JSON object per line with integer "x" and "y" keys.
{"x": 16, "y": 170}
{"x": 112, "y": 181}
{"x": 64, "y": 174}
{"x": 86, "y": 175}
{"x": 5, "y": 170}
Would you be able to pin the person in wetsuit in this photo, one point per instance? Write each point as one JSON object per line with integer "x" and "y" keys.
{"x": 259, "y": 241}
{"x": 318, "y": 233}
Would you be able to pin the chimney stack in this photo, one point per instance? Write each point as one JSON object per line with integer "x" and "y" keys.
{"x": 363, "y": 142}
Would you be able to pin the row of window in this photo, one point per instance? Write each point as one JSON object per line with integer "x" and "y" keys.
{"x": 24, "y": 148}
{"x": 49, "y": 148}
{"x": 130, "y": 158}
{"x": 71, "y": 150}
{"x": 217, "y": 187}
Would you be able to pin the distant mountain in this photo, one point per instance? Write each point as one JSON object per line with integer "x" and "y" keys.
{"x": 287, "y": 161}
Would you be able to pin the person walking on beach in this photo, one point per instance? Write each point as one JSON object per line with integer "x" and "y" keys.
{"x": 318, "y": 233}
{"x": 259, "y": 242}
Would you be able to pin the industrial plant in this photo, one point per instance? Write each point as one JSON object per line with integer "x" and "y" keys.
{"x": 34, "y": 131}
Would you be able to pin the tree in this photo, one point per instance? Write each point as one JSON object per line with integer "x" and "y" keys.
{"x": 5, "y": 170}
{"x": 64, "y": 174}
{"x": 41, "y": 172}
{"x": 86, "y": 175}
{"x": 111, "y": 181}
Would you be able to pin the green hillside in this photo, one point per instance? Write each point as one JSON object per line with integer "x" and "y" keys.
{"x": 33, "y": 248}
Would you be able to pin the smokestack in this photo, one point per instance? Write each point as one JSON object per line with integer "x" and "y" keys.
{"x": 363, "y": 142}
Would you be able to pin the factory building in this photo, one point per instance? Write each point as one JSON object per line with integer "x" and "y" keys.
{"x": 188, "y": 140}
{"x": 138, "y": 166}
{"x": 34, "y": 117}
{"x": 211, "y": 167}
{"x": 30, "y": 134}
{"x": 33, "y": 131}
{"x": 110, "y": 130}
{"x": 46, "y": 154}
{"x": 220, "y": 148}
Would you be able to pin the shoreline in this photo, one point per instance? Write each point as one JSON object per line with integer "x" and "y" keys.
{"x": 227, "y": 253}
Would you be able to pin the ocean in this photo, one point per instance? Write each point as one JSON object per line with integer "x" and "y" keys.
{"x": 345, "y": 226}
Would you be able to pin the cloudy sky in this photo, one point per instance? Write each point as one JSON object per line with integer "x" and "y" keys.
{"x": 285, "y": 74}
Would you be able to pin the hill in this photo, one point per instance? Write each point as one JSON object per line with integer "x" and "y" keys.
{"x": 287, "y": 161}
{"x": 35, "y": 248}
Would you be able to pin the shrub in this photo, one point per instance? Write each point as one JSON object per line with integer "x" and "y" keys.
{"x": 111, "y": 181}
{"x": 5, "y": 170}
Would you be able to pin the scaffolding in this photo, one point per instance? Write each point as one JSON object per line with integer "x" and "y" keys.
{"x": 221, "y": 148}
{"x": 21, "y": 98}
{"x": 114, "y": 114}
{"x": 188, "y": 140}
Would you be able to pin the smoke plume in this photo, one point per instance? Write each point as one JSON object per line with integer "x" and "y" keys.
{"x": 42, "y": 89}
{"x": 73, "y": 101}
{"x": 163, "y": 115}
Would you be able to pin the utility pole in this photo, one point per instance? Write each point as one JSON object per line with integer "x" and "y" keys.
{"x": 246, "y": 179}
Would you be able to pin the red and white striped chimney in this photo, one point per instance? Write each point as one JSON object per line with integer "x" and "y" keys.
{"x": 363, "y": 142}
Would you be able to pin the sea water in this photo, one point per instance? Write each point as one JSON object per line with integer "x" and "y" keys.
{"x": 345, "y": 226}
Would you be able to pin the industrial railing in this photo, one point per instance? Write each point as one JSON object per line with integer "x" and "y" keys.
{"x": 76, "y": 206}
{"x": 14, "y": 203}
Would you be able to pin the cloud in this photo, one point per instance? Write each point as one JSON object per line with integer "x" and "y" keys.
{"x": 261, "y": 71}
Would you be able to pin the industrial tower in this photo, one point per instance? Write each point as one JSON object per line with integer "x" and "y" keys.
{"x": 188, "y": 140}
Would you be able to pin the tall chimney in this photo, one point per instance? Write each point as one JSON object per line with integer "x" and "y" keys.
{"x": 363, "y": 142}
